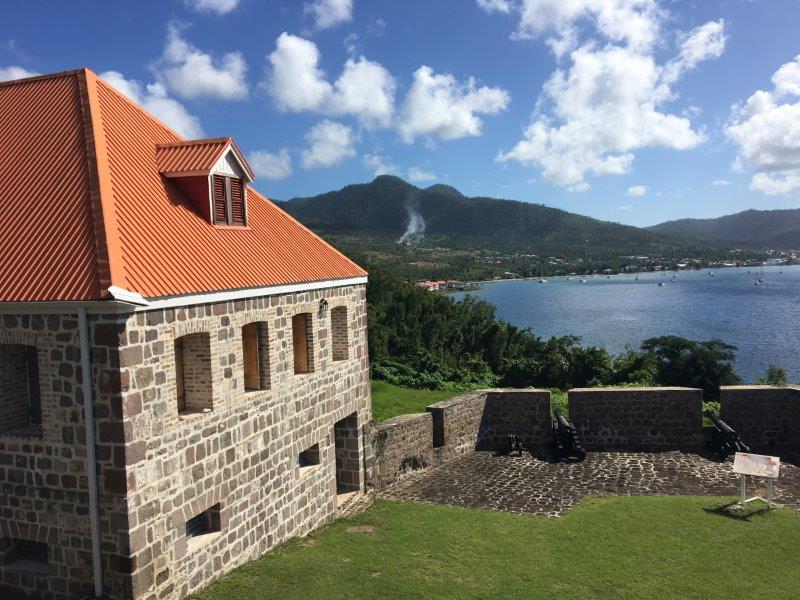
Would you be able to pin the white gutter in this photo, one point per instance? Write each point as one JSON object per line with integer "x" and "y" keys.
{"x": 228, "y": 295}
{"x": 91, "y": 456}
{"x": 125, "y": 302}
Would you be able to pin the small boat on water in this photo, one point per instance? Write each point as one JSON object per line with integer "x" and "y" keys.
{"x": 543, "y": 280}
{"x": 661, "y": 284}
{"x": 583, "y": 281}
{"x": 712, "y": 274}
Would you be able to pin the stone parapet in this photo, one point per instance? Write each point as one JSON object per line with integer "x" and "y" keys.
{"x": 650, "y": 418}
{"x": 402, "y": 445}
{"x": 767, "y": 418}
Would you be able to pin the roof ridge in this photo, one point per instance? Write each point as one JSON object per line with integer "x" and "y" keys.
{"x": 33, "y": 78}
{"x": 216, "y": 140}
{"x": 110, "y": 265}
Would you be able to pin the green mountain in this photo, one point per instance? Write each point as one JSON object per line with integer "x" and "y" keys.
{"x": 438, "y": 232}
{"x": 778, "y": 229}
{"x": 387, "y": 206}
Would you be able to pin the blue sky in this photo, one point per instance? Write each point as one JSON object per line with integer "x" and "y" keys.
{"x": 636, "y": 111}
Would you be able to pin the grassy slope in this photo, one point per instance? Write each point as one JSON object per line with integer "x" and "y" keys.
{"x": 659, "y": 547}
{"x": 391, "y": 400}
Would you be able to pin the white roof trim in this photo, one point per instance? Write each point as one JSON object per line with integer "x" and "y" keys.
{"x": 123, "y": 302}
{"x": 227, "y": 295}
{"x": 123, "y": 295}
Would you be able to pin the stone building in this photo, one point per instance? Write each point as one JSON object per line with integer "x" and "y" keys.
{"x": 183, "y": 367}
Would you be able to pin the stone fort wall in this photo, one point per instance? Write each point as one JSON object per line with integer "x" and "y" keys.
{"x": 767, "y": 418}
{"x": 638, "y": 417}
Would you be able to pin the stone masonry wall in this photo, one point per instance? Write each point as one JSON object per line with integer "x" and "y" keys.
{"x": 477, "y": 420}
{"x": 482, "y": 420}
{"x": 638, "y": 417}
{"x": 766, "y": 418}
{"x": 402, "y": 445}
{"x": 243, "y": 455}
{"x": 43, "y": 481}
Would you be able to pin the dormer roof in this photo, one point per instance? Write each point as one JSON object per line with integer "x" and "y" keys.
{"x": 87, "y": 209}
{"x": 200, "y": 157}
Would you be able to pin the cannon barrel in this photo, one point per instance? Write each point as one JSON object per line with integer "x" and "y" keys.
{"x": 719, "y": 423}
{"x": 561, "y": 419}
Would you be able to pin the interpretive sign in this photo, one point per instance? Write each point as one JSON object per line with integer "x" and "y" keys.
{"x": 756, "y": 465}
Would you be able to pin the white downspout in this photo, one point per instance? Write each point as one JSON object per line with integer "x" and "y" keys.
{"x": 91, "y": 458}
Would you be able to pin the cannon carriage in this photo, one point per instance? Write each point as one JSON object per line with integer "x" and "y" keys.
{"x": 566, "y": 442}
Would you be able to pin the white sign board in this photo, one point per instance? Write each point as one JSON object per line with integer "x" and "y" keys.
{"x": 756, "y": 465}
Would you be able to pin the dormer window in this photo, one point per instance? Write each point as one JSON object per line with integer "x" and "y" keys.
{"x": 229, "y": 200}
{"x": 212, "y": 175}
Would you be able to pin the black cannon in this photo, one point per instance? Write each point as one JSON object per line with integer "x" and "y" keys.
{"x": 566, "y": 443}
{"x": 724, "y": 440}
{"x": 513, "y": 444}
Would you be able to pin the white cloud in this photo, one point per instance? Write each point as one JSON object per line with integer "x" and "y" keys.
{"x": 490, "y": 6}
{"x": 216, "y": 6}
{"x": 633, "y": 22}
{"x": 440, "y": 106}
{"x": 271, "y": 166}
{"x": 721, "y": 183}
{"x": 364, "y": 89}
{"x": 625, "y": 207}
{"x": 380, "y": 165}
{"x": 14, "y": 72}
{"x": 329, "y": 13}
{"x": 595, "y": 112}
{"x": 155, "y": 100}
{"x": 417, "y": 175}
{"x": 329, "y": 143}
{"x": 767, "y": 130}
{"x": 705, "y": 42}
{"x": 191, "y": 73}
{"x": 636, "y": 190}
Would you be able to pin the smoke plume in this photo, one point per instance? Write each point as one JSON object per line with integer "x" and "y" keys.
{"x": 415, "y": 230}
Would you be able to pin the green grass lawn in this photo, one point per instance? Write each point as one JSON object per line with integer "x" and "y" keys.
{"x": 618, "y": 547}
{"x": 391, "y": 400}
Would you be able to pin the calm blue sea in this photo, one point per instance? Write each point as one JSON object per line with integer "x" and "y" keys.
{"x": 763, "y": 320}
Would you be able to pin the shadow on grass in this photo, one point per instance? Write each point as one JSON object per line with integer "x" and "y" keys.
{"x": 737, "y": 512}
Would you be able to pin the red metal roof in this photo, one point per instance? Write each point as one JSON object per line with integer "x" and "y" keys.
{"x": 84, "y": 206}
{"x": 197, "y": 156}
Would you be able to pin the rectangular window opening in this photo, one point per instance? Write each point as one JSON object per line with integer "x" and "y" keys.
{"x": 309, "y": 457}
{"x": 20, "y": 396}
{"x": 339, "y": 332}
{"x": 24, "y": 555}
{"x": 255, "y": 346}
{"x": 205, "y": 523}
{"x": 193, "y": 383}
{"x": 302, "y": 342}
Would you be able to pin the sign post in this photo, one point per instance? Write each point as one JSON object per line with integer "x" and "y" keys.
{"x": 756, "y": 465}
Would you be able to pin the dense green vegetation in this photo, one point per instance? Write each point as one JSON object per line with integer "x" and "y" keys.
{"x": 478, "y": 238}
{"x": 422, "y": 340}
{"x": 604, "y": 548}
{"x": 389, "y": 400}
{"x": 754, "y": 228}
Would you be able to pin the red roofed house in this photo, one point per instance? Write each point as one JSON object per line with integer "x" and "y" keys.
{"x": 183, "y": 366}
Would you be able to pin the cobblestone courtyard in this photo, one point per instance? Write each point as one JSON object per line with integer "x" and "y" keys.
{"x": 532, "y": 484}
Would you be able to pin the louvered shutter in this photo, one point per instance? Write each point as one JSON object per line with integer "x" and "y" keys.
{"x": 237, "y": 202}
{"x": 220, "y": 203}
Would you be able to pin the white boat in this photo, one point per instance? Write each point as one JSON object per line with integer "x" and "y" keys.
{"x": 583, "y": 281}
{"x": 712, "y": 274}
{"x": 661, "y": 284}
{"x": 543, "y": 280}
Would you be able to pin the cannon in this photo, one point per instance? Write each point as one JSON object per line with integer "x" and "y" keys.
{"x": 566, "y": 443}
{"x": 513, "y": 444}
{"x": 724, "y": 440}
